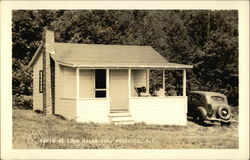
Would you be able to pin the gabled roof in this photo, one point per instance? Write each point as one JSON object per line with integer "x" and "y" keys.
{"x": 107, "y": 56}
{"x": 117, "y": 56}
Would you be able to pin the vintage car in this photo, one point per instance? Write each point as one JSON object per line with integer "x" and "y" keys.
{"x": 209, "y": 106}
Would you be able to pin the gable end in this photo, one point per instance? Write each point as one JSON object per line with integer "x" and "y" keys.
{"x": 36, "y": 56}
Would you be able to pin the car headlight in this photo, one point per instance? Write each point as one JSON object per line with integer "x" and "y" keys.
{"x": 224, "y": 112}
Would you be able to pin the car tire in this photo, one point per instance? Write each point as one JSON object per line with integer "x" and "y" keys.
{"x": 198, "y": 118}
{"x": 195, "y": 118}
{"x": 226, "y": 110}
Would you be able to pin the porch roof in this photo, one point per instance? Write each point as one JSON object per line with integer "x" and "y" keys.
{"x": 110, "y": 56}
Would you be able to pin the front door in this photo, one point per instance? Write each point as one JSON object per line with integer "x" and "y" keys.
{"x": 118, "y": 89}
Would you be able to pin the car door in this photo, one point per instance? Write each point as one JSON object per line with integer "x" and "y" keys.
{"x": 190, "y": 103}
{"x": 194, "y": 101}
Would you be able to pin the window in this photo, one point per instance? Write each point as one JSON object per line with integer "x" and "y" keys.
{"x": 217, "y": 98}
{"x": 41, "y": 81}
{"x": 100, "y": 83}
{"x": 196, "y": 97}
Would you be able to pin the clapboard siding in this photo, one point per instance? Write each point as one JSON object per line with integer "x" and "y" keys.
{"x": 68, "y": 80}
{"x": 37, "y": 97}
{"x": 57, "y": 87}
{"x": 86, "y": 86}
{"x": 65, "y": 91}
{"x": 93, "y": 110}
{"x": 156, "y": 110}
{"x": 139, "y": 79}
{"x": 67, "y": 108}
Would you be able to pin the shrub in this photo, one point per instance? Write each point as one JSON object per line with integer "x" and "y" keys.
{"x": 22, "y": 101}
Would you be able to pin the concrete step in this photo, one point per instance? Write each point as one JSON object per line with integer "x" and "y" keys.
{"x": 119, "y": 111}
{"x": 120, "y": 114}
{"x": 121, "y": 117}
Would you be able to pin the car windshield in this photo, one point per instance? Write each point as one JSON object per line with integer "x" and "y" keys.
{"x": 217, "y": 99}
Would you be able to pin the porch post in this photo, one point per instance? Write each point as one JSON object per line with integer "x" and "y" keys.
{"x": 107, "y": 82}
{"x": 184, "y": 82}
{"x": 129, "y": 83}
{"x": 147, "y": 81}
{"x": 77, "y": 83}
{"x": 163, "y": 79}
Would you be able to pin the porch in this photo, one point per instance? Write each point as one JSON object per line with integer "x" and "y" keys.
{"x": 107, "y": 95}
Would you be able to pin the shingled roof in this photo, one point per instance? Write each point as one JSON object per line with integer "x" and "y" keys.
{"x": 110, "y": 56}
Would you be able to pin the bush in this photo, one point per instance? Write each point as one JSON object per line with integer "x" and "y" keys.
{"x": 233, "y": 97}
{"x": 22, "y": 102}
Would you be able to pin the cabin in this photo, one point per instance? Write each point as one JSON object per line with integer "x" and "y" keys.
{"x": 101, "y": 83}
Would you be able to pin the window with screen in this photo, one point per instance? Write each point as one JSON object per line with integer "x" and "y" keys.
{"x": 41, "y": 81}
{"x": 100, "y": 83}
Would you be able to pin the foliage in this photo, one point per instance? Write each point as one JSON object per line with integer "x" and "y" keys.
{"x": 22, "y": 102}
{"x": 22, "y": 78}
{"x": 27, "y": 30}
{"x": 204, "y": 38}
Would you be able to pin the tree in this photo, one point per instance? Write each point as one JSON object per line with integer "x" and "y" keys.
{"x": 206, "y": 39}
{"x": 218, "y": 62}
{"x": 27, "y": 27}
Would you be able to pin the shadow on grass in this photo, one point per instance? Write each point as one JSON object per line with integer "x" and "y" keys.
{"x": 207, "y": 124}
{"x": 59, "y": 116}
{"x": 39, "y": 112}
{"x": 56, "y": 115}
{"x": 204, "y": 124}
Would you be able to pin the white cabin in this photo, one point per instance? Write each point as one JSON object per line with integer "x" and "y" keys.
{"x": 96, "y": 83}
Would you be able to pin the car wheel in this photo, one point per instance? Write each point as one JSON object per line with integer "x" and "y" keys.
{"x": 195, "y": 118}
{"x": 224, "y": 112}
{"x": 198, "y": 118}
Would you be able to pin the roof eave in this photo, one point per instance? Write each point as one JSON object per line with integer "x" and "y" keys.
{"x": 36, "y": 55}
{"x": 120, "y": 66}
{"x": 64, "y": 63}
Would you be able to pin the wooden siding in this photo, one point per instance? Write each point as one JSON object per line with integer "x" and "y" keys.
{"x": 118, "y": 89}
{"x": 37, "y": 97}
{"x": 67, "y": 108}
{"x": 65, "y": 91}
{"x": 86, "y": 86}
{"x": 139, "y": 79}
{"x": 156, "y": 110}
{"x": 93, "y": 110}
{"x": 68, "y": 84}
{"x": 57, "y": 87}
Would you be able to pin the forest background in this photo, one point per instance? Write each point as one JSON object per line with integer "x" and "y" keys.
{"x": 206, "y": 39}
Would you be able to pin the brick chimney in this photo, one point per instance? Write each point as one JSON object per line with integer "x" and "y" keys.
{"x": 48, "y": 40}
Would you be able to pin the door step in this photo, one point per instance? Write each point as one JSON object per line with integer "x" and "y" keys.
{"x": 120, "y": 117}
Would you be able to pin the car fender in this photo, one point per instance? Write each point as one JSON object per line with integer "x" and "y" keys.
{"x": 202, "y": 111}
{"x": 228, "y": 109}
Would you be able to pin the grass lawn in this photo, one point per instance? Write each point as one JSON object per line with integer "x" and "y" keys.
{"x": 36, "y": 131}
